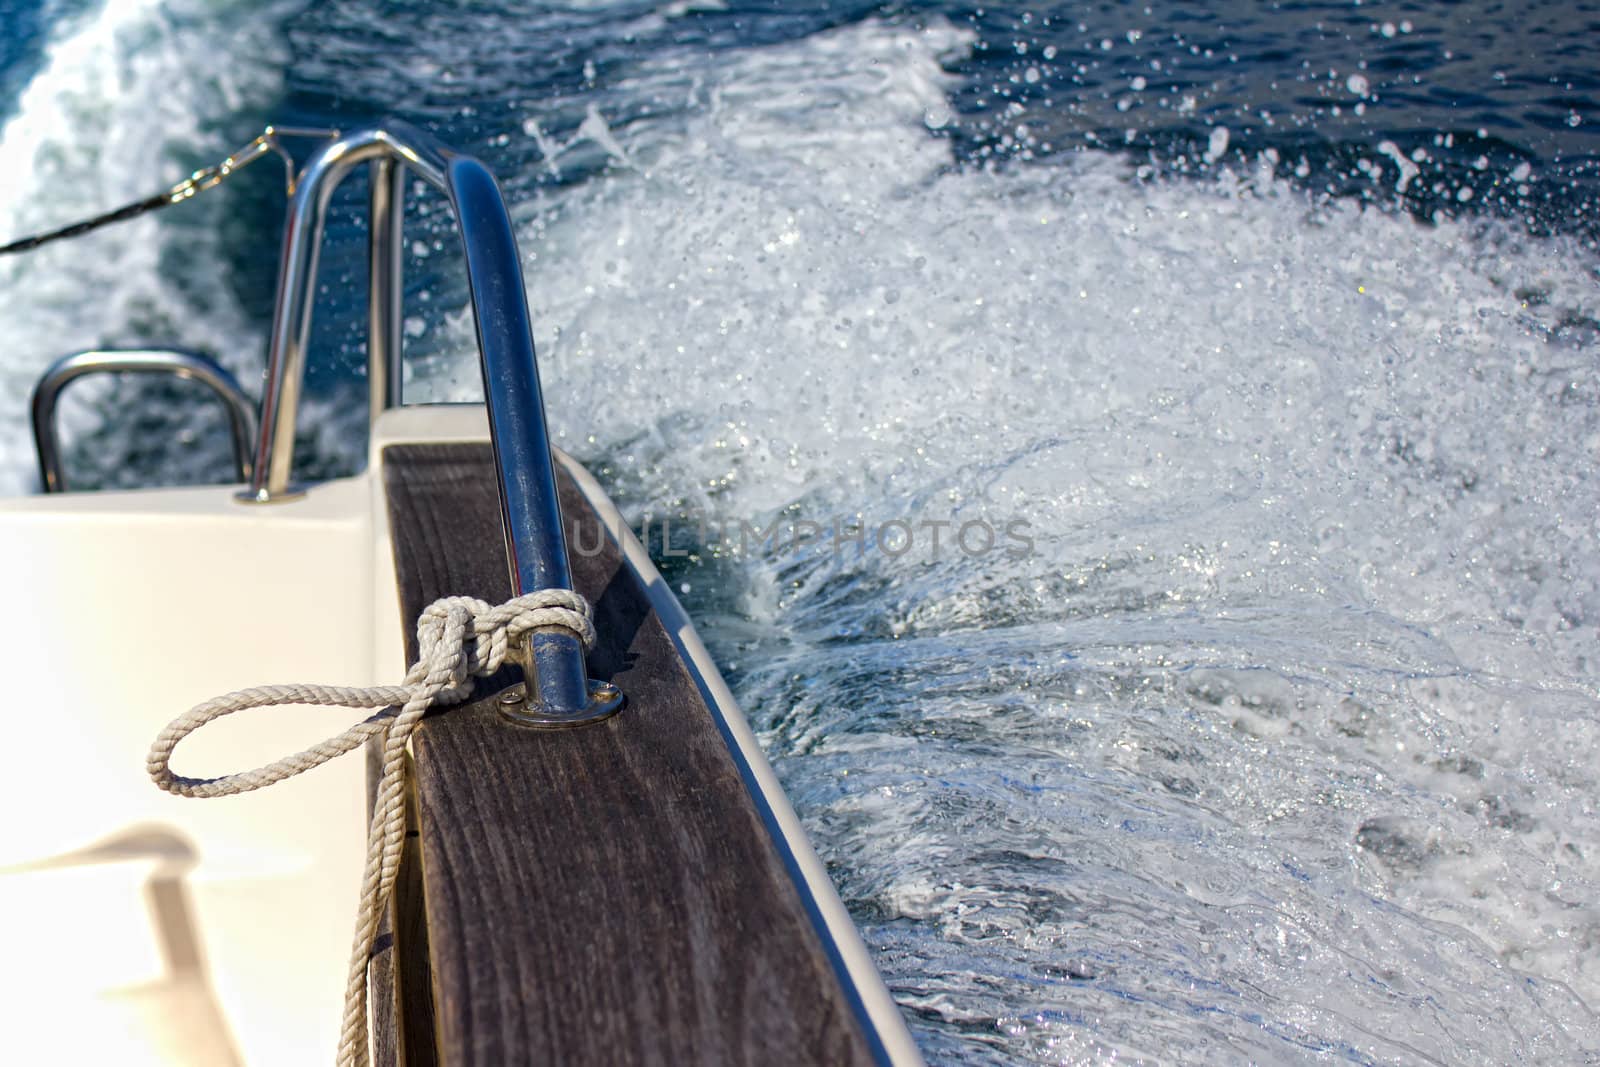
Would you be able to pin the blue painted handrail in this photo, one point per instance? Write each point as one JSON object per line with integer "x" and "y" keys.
{"x": 535, "y": 545}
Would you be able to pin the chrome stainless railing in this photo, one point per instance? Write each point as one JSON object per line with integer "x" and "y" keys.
{"x": 191, "y": 366}
{"x": 558, "y": 692}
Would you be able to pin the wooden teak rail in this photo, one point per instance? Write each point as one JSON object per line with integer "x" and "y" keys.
{"x": 606, "y": 895}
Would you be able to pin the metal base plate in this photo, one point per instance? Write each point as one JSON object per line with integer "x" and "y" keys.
{"x": 605, "y": 700}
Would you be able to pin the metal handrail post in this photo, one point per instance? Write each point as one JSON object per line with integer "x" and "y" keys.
{"x": 558, "y": 692}
{"x": 306, "y": 220}
{"x": 528, "y": 499}
{"x": 190, "y": 366}
{"x": 385, "y": 283}
{"x": 304, "y": 223}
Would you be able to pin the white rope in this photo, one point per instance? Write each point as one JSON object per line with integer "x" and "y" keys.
{"x": 457, "y": 638}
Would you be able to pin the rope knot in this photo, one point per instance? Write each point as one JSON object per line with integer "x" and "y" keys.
{"x": 458, "y": 639}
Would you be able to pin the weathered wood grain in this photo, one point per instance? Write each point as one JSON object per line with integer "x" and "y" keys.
{"x": 399, "y": 985}
{"x": 607, "y": 895}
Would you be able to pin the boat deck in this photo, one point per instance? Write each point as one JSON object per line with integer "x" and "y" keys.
{"x": 614, "y": 894}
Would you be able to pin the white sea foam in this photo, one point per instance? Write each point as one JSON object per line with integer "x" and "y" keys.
{"x": 1408, "y": 170}
{"x": 1286, "y": 728}
{"x": 126, "y": 95}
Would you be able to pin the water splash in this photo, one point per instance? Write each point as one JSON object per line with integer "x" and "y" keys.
{"x": 1273, "y": 743}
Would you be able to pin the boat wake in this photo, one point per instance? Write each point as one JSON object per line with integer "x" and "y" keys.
{"x": 1274, "y": 742}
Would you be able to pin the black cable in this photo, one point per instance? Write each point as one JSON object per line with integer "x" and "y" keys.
{"x": 127, "y": 211}
{"x": 198, "y": 182}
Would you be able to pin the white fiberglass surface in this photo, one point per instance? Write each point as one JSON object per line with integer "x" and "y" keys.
{"x": 142, "y": 926}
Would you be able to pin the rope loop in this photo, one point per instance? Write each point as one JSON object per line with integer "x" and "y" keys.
{"x": 458, "y": 639}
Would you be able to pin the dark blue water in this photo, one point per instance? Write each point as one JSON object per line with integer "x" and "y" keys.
{"x": 1471, "y": 95}
{"x": 1277, "y": 323}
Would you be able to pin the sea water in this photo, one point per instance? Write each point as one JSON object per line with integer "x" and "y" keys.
{"x": 1242, "y": 361}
